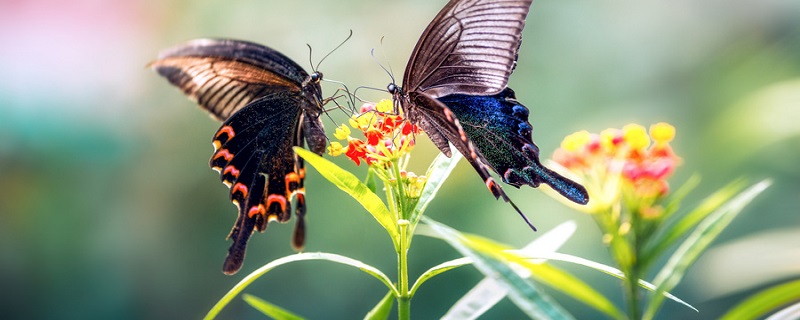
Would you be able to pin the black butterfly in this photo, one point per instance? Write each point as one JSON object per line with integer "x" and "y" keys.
{"x": 268, "y": 104}
{"x": 454, "y": 88}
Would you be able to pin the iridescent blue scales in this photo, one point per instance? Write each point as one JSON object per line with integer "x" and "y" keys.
{"x": 498, "y": 127}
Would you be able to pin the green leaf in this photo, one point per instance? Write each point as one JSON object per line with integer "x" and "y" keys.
{"x": 370, "y": 181}
{"x": 521, "y": 291}
{"x": 760, "y": 304}
{"x": 668, "y": 236}
{"x": 437, "y": 173}
{"x": 269, "y": 309}
{"x": 488, "y": 292}
{"x": 697, "y": 242}
{"x": 437, "y": 270}
{"x": 350, "y": 184}
{"x": 293, "y": 258}
{"x": 604, "y": 269}
{"x": 382, "y": 309}
{"x": 550, "y": 276}
{"x": 675, "y": 200}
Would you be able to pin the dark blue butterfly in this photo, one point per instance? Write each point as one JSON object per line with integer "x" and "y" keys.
{"x": 268, "y": 104}
{"x": 455, "y": 89}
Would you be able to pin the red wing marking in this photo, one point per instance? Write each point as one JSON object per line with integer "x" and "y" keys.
{"x": 224, "y": 153}
{"x": 228, "y": 130}
{"x": 281, "y": 200}
{"x": 254, "y": 210}
{"x": 292, "y": 177}
{"x": 239, "y": 187}
{"x": 232, "y": 171}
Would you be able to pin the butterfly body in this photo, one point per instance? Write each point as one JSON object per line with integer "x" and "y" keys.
{"x": 268, "y": 104}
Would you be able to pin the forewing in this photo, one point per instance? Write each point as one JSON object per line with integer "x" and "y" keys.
{"x": 470, "y": 47}
{"x": 224, "y": 75}
{"x": 255, "y": 159}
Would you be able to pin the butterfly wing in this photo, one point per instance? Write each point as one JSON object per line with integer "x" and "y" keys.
{"x": 267, "y": 106}
{"x": 254, "y": 157}
{"x": 224, "y": 75}
{"x": 470, "y": 47}
{"x": 436, "y": 118}
{"x": 499, "y": 128}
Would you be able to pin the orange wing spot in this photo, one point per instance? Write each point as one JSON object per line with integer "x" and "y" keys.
{"x": 232, "y": 171}
{"x": 224, "y": 153}
{"x": 292, "y": 177}
{"x": 216, "y": 144}
{"x": 448, "y": 114}
{"x": 239, "y": 187}
{"x": 228, "y": 130}
{"x": 491, "y": 184}
{"x": 281, "y": 200}
{"x": 254, "y": 210}
{"x": 272, "y": 217}
{"x": 302, "y": 173}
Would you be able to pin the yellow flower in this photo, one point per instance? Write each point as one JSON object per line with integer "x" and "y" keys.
{"x": 576, "y": 141}
{"x": 335, "y": 149}
{"x": 342, "y": 132}
{"x": 662, "y": 132}
{"x": 636, "y": 136}
{"x": 384, "y": 105}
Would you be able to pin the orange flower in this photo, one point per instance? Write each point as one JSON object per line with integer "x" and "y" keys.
{"x": 386, "y": 136}
{"x": 641, "y": 162}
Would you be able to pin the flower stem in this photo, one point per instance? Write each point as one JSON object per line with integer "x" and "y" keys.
{"x": 632, "y": 293}
{"x": 404, "y": 300}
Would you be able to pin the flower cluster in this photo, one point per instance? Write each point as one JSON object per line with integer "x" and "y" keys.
{"x": 386, "y": 136}
{"x": 641, "y": 163}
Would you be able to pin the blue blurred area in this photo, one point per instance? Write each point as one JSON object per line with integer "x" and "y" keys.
{"x": 109, "y": 210}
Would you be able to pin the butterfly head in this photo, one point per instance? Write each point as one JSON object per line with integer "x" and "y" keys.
{"x": 394, "y": 89}
{"x": 315, "y": 77}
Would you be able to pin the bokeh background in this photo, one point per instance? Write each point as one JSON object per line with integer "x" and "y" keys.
{"x": 109, "y": 210}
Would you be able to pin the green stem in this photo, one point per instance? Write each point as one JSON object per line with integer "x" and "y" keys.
{"x": 632, "y": 293}
{"x": 404, "y": 300}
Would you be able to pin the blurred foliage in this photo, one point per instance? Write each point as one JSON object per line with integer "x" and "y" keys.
{"x": 108, "y": 208}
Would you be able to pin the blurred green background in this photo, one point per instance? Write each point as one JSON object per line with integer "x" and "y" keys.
{"x": 109, "y": 210}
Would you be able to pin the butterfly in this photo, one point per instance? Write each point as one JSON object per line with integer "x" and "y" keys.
{"x": 267, "y": 104}
{"x": 455, "y": 89}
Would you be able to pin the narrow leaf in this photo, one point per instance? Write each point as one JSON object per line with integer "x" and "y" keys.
{"x": 550, "y": 276}
{"x": 382, "y": 309}
{"x": 350, "y": 184}
{"x": 370, "y": 181}
{"x": 437, "y": 173}
{"x": 269, "y": 309}
{"x": 760, "y": 304}
{"x": 293, "y": 258}
{"x": 668, "y": 236}
{"x": 438, "y": 269}
{"x": 697, "y": 242}
{"x": 602, "y": 268}
{"x": 521, "y": 291}
{"x": 488, "y": 292}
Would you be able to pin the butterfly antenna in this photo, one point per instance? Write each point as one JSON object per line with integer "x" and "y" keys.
{"x": 310, "y": 61}
{"x": 388, "y": 64}
{"x": 366, "y": 87}
{"x": 337, "y": 47}
{"x": 388, "y": 71}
